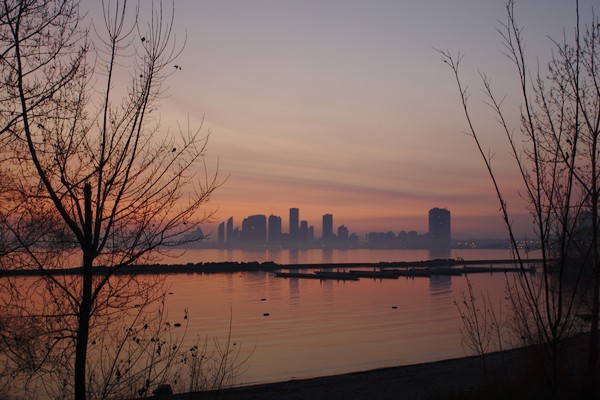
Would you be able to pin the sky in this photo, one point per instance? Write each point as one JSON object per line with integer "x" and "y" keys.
{"x": 345, "y": 107}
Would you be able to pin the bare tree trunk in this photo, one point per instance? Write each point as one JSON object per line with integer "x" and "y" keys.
{"x": 590, "y": 385}
{"x": 83, "y": 329}
{"x": 82, "y": 343}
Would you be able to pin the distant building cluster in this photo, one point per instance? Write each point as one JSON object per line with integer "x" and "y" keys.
{"x": 439, "y": 236}
{"x": 262, "y": 231}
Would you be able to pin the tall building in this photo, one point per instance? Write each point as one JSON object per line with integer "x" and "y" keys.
{"x": 305, "y": 233}
{"x": 221, "y": 233}
{"x": 294, "y": 223}
{"x": 327, "y": 234}
{"x": 310, "y": 234}
{"x": 302, "y": 232}
{"x": 439, "y": 228}
{"x": 274, "y": 229}
{"x": 229, "y": 231}
{"x": 254, "y": 230}
{"x": 342, "y": 233}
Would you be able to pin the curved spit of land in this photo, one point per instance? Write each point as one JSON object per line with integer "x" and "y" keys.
{"x": 375, "y": 269}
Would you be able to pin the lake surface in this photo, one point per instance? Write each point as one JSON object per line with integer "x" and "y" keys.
{"x": 314, "y": 256}
{"x": 295, "y": 328}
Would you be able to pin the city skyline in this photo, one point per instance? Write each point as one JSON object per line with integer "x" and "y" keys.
{"x": 346, "y": 106}
{"x": 339, "y": 236}
{"x": 258, "y": 230}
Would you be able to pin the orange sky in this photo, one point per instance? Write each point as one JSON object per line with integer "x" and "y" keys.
{"x": 343, "y": 107}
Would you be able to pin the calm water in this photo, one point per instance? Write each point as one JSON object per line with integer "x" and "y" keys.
{"x": 321, "y": 328}
{"x": 309, "y": 256}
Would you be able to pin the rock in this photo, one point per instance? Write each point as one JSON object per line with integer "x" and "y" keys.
{"x": 163, "y": 392}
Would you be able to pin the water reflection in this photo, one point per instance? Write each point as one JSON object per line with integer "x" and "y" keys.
{"x": 302, "y": 328}
{"x": 258, "y": 254}
{"x": 229, "y": 287}
{"x": 328, "y": 291}
{"x": 273, "y": 254}
{"x": 311, "y": 324}
{"x": 440, "y": 285}
{"x": 294, "y": 286}
{"x": 440, "y": 254}
{"x": 293, "y": 256}
{"x": 327, "y": 255}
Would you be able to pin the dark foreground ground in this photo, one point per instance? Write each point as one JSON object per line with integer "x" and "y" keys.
{"x": 511, "y": 374}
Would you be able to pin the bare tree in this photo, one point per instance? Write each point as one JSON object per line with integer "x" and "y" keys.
{"x": 81, "y": 141}
{"x": 556, "y": 153}
{"x": 42, "y": 46}
{"x": 482, "y": 326}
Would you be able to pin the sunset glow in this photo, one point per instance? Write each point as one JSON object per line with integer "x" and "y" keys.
{"x": 344, "y": 107}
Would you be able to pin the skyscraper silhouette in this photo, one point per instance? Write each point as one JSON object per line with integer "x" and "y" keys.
{"x": 327, "y": 234}
{"x": 229, "y": 237}
{"x": 221, "y": 233}
{"x": 254, "y": 230}
{"x": 439, "y": 228}
{"x": 342, "y": 233}
{"x": 294, "y": 223}
{"x": 274, "y": 229}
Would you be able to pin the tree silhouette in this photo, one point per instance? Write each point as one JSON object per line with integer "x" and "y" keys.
{"x": 556, "y": 151}
{"x": 92, "y": 176}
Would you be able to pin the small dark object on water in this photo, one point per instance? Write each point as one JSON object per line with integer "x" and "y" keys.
{"x": 266, "y": 314}
{"x": 177, "y": 325}
{"x": 170, "y": 292}
{"x": 394, "y": 307}
{"x": 263, "y": 299}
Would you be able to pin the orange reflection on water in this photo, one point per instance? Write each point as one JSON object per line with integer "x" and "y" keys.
{"x": 295, "y": 328}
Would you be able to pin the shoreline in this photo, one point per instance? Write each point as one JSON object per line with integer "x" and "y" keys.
{"x": 504, "y": 374}
{"x": 438, "y": 379}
